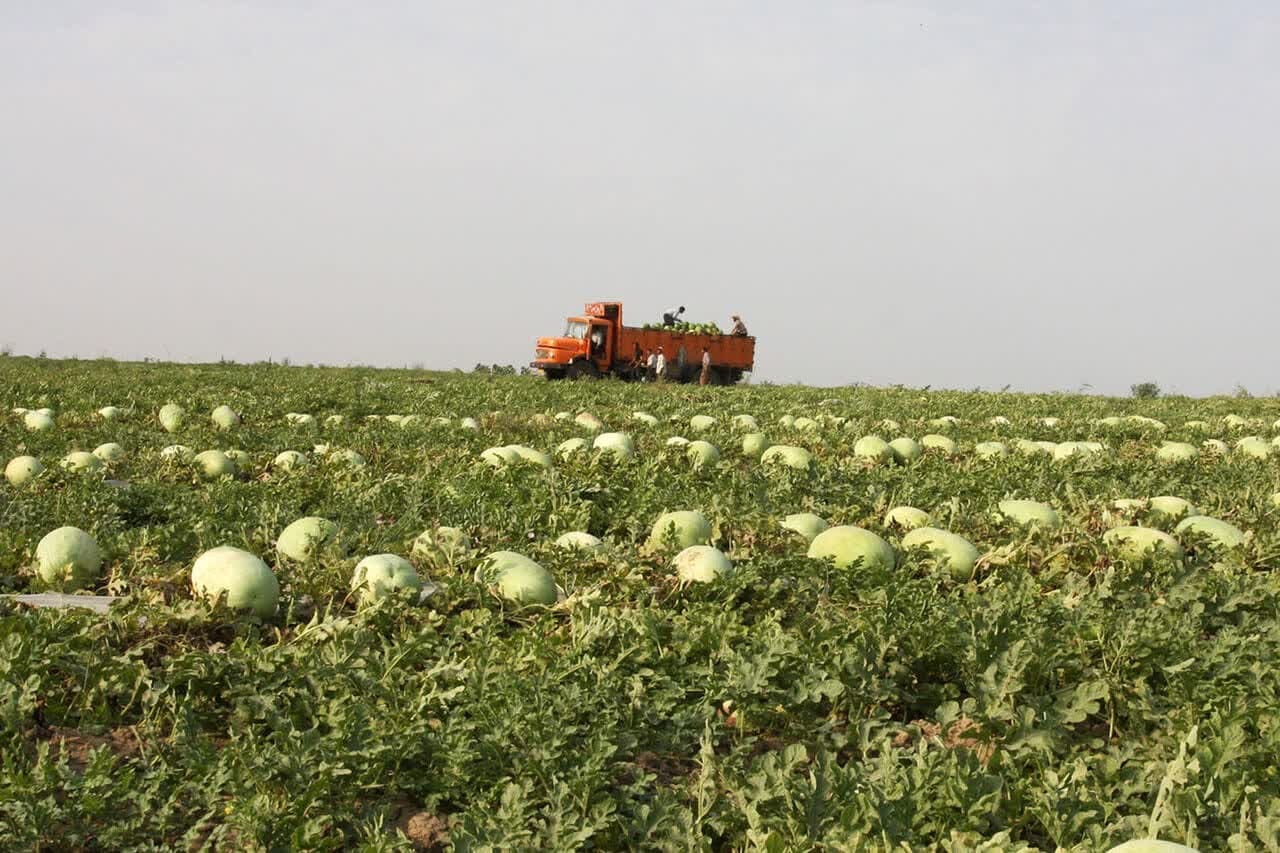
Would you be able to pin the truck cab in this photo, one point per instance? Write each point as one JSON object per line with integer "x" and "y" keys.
{"x": 582, "y": 350}
{"x": 587, "y": 346}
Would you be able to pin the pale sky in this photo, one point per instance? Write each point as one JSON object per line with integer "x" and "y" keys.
{"x": 1035, "y": 194}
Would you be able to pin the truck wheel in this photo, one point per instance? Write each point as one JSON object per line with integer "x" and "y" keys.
{"x": 581, "y": 369}
{"x": 553, "y": 374}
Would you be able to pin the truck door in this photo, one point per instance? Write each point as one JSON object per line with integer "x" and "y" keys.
{"x": 599, "y": 346}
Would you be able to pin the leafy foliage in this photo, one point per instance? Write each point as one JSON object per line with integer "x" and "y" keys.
{"x": 1061, "y": 699}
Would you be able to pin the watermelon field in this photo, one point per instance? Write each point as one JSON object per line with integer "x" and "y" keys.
{"x": 602, "y": 616}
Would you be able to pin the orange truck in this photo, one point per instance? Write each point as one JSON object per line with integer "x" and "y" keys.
{"x": 598, "y": 344}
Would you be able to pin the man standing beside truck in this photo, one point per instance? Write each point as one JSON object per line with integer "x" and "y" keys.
{"x": 660, "y": 368}
{"x": 705, "y": 378}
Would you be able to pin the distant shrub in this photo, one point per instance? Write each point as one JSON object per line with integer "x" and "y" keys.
{"x": 1145, "y": 390}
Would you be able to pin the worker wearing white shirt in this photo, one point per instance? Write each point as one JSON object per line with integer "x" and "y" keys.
{"x": 661, "y": 365}
{"x": 706, "y": 367}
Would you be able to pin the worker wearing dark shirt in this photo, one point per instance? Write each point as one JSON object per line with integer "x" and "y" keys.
{"x": 739, "y": 327}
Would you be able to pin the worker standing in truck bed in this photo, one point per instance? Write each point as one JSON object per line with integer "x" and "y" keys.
{"x": 670, "y": 318}
{"x": 739, "y": 327}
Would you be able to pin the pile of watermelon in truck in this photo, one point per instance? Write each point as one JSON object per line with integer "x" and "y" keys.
{"x": 598, "y": 344}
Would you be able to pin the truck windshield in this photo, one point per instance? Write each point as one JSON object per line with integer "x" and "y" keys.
{"x": 575, "y": 329}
